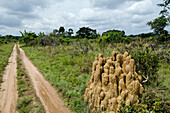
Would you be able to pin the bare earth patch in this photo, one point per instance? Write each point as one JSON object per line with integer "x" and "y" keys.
{"x": 8, "y": 92}
{"x": 47, "y": 94}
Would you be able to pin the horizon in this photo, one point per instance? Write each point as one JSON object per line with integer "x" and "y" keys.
{"x": 102, "y": 15}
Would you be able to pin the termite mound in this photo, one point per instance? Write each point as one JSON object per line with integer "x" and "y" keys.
{"x": 114, "y": 79}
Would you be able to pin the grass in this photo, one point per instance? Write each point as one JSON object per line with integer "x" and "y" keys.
{"x": 164, "y": 72}
{"x": 5, "y": 51}
{"x": 66, "y": 73}
{"x": 27, "y": 101}
{"x": 164, "y": 81}
{"x": 68, "y": 67}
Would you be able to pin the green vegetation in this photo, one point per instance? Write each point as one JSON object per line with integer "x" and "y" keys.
{"x": 27, "y": 101}
{"x": 66, "y": 62}
{"x": 150, "y": 103}
{"x": 161, "y": 22}
{"x": 65, "y": 71}
{"x": 8, "y": 39}
{"x": 61, "y": 36}
{"x": 146, "y": 58}
{"x": 86, "y": 32}
{"x": 5, "y": 51}
{"x": 68, "y": 67}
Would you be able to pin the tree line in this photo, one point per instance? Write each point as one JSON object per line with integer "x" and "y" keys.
{"x": 62, "y": 36}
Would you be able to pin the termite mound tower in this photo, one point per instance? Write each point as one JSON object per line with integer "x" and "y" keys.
{"x": 114, "y": 79}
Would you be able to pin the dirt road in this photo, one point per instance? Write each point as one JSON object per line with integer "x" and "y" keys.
{"x": 46, "y": 93}
{"x": 8, "y": 92}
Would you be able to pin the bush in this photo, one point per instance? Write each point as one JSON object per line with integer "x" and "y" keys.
{"x": 147, "y": 62}
{"x": 163, "y": 38}
{"x": 125, "y": 109}
{"x": 149, "y": 103}
{"x": 127, "y": 39}
{"x": 103, "y": 42}
{"x": 114, "y": 37}
{"x": 64, "y": 40}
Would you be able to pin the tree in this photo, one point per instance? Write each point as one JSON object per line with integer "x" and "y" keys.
{"x": 165, "y": 7}
{"x": 86, "y": 32}
{"x": 55, "y": 31}
{"x": 9, "y": 38}
{"x": 114, "y": 35}
{"x": 161, "y": 22}
{"x": 70, "y": 32}
{"x": 103, "y": 42}
{"x": 122, "y": 33}
{"x": 158, "y": 25}
{"x": 41, "y": 34}
{"x": 61, "y": 30}
{"x": 28, "y": 37}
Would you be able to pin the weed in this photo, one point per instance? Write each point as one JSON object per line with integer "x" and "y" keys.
{"x": 24, "y": 103}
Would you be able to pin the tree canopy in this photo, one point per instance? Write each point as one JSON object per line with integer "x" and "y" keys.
{"x": 122, "y": 33}
{"x": 70, "y": 32}
{"x": 161, "y": 22}
{"x": 86, "y": 32}
{"x": 61, "y": 30}
{"x": 114, "y": 35}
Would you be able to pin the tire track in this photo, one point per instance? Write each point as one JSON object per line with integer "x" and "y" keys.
{"x": 8, "y": 93}
{"x": 47, "y": 94}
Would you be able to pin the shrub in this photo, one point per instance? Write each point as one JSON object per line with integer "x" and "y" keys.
{"x": 163, "y": 38}
{"x": 125, "y": 109}
{"x": 126, "y": 39}
{"x": 149, "y": 103}
{"x": 114, "y": 37}
{"x": 64, "y": 40}
{"x": 147, "y": 62}
{"x": 103, "y": 42}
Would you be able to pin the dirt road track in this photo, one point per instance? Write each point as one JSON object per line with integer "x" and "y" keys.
{"x": 8, "y": 92}
{"x": 46, "y": 93}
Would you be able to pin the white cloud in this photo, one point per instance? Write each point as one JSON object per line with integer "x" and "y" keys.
{"x": 142, "y": 7}
{"x": 110, "y": 4}
{"x": 102, "y": 15}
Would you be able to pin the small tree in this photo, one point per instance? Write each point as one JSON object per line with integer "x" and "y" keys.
{"x": 61, "y": 30}
{"x": 103, "y": 42}
{"x": 161, "y": 22}
{"x": 28, "y": 38}
{"x": 86, "y": 32}
{"x": 55, "y": 31}
{"x": 70, "y": 32}
{"x": 158, "y": 24}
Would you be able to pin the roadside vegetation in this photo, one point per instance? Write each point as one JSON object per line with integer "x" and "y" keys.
{"x": 66, "y": 62}
{"x": 68, "y": 67}
{"x": 5, "y": 51}
{"x": 68, "y": 75}
{"x": 27, "y": 101}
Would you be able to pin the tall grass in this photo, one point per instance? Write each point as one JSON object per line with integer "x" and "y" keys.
{"x": 66, "y": 73}
{"x": 68, "y": 67}
{"x": 5, "y": 51}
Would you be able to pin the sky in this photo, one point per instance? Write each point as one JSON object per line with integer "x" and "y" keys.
{"x": 102, "y": 15}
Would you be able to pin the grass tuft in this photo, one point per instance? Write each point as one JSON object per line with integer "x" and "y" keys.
{"x": 27, "y": 101}
{"x": 5, "y": 51}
